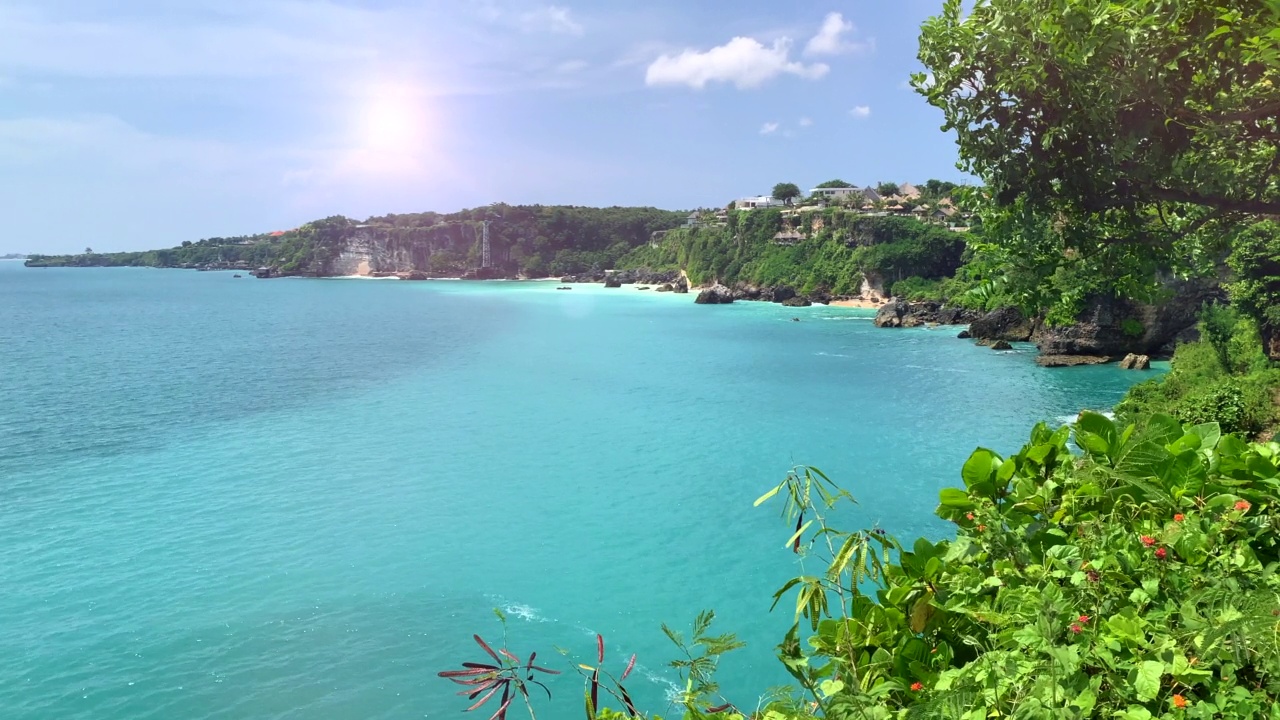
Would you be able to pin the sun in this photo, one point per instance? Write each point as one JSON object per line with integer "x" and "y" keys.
{"x": 393, "y": 120}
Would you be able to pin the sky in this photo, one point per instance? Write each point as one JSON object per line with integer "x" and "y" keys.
{"x": 137, "y": 124}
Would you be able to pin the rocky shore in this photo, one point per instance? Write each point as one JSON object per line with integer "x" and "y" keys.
{"x": 1108, "y": 330}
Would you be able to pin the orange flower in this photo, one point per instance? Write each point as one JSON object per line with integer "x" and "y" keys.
{"x": 982, "y": 528}
{"x": 1148, "y": 540}
{"x": 916, "y": 687}
{"x": 1179, "y": 701}
{"x": 1243, "y": 505}
{"x": 968, "y": 516}
{"x": 1179, "y": 517}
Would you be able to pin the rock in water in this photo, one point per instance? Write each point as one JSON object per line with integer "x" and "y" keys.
{"x": 715, "y": 295}
{"x": 1003, "y": 324}
{"x": 665, "y": 287}
{"x": 415, "y": 275}
{"x": 1070, "y": 360}
{"x": 890, "y": 314}
{"x": 612, "y": 282}
{"x": 964, "y": 335}
{"x": 1001, "y": 345}
{"x": 1134, "y": 361}
{"x": 796, "y": 302}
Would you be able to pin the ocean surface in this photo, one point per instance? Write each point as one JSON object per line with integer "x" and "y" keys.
{"x": 235, "y": 498}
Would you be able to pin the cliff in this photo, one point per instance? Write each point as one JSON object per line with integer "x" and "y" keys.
{"x": 530, "y": 240}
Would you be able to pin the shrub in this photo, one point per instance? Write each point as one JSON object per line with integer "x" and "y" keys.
{"x": 1132, "y": 328}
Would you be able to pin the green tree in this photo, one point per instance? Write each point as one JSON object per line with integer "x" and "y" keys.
{"x": 1185, "y": 93}
{"x": 887, "y": 188}
{"x": 786, "y": 192}
{"x": 837, "y": 183}
{"x": 1255, "y": 261}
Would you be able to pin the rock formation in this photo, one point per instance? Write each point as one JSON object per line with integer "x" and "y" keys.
{"x": 715, "y": 295}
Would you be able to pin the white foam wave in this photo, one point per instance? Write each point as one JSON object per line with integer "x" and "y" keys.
{"x": 1071, "y": 419}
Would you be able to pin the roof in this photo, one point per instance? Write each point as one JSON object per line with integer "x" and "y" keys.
{"x": 908, "y": 191}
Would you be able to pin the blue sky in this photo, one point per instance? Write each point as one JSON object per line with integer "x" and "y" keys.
{"x": 134, "y": 124}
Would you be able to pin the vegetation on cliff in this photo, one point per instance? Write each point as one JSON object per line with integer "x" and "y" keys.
{"x": 529, "y": 239}
{"x": 828, "y": 250}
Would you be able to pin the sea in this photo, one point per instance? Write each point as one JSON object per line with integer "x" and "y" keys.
{"x": 226, "y": 497}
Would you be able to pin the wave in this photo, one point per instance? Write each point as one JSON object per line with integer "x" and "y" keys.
{"x": 670, "y": 689}
{"x": 1071, "y": 419}
{"x": 827, "y": 354}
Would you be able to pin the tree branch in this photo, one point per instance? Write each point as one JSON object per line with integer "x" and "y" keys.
{"x": 1225, "y": 204}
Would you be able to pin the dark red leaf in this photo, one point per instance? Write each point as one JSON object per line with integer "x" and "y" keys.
{"x": 626, "y": 700}
{"x": 799, "y": 524}
{"x": 487, "y": 649}
{"x": 631, "y": 665}
{"x": 720, "y": 708}
{"x": 483, "y": 700}
{"x": 544, "y": 687}
{"x": 599, "y": 648}
{"x": 545, "y": 670}
{"x": 595, "y": 689}
{"x": 486, "y": 666}
{"x": 471, "y": 681}
{"x": 506, "y": 700}
{"x": 495, "y": 682}
{"x": 464, "y": 673}
{"x": 513, "y": 658}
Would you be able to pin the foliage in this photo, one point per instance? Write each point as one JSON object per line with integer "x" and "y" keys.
{"x": 1133, "y": 581}
{"x": 786, "y": 192}
{"x": 1255, "y": 261}
{"x": 1186, "y": 94}
{"x": 887, "y": 188}
{"x": 837, "y": 183}
{"x": 1224, "y": 378}
{"x": 834, "y": 258}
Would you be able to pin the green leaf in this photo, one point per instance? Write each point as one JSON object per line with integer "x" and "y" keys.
{"x": 955, "y": 498}
{"x": 791, "y": 541}
{"x": 765, "y": 497}
{"x": 1147, "y": 681}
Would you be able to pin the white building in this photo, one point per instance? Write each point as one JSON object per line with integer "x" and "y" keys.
{"x": 759, "y": 201}
{"x": 831, "y": 193}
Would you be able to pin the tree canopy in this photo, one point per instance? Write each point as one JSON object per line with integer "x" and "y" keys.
{"x": 837, "y": 183}
{"x": 1120, "y": 140}
{"x": 786, "y": 192}
{"x": 887, "y": 188}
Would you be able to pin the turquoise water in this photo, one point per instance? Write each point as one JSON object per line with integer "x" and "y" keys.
{"x": 232, "y": 498}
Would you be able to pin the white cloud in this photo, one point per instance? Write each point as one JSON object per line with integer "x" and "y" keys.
{"x": 552, "y": 18}
{"x": 830, "y": 39}
{"x": 861, "y": 111}
{"x": 572, "y": 66}
{"x": 769, "y": 128}
{"x": 742, "y": 61}
{"x": 806, "y": 122}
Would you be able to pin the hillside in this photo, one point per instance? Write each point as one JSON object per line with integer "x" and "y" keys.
{"x": 828, "y": 250}
{"x": 532, "y": 240}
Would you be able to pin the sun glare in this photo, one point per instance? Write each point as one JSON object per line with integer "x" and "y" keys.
{"x": 393, "y": 128}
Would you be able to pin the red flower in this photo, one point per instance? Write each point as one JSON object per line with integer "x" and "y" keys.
{"x": 968, "y": 516}
{"x": 1076, "y": 628}
{"x": 1148, "y": 540}
{"x": 1243, "y": 505}
{"x": 1084, "y": 619}
{"x": 916, "y": 687}
{"x": 1161, "y": 553}
{"x": 1179, "y": 701}
{"x": 982, "y": 528}
{"x": 1179, "y": 517}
